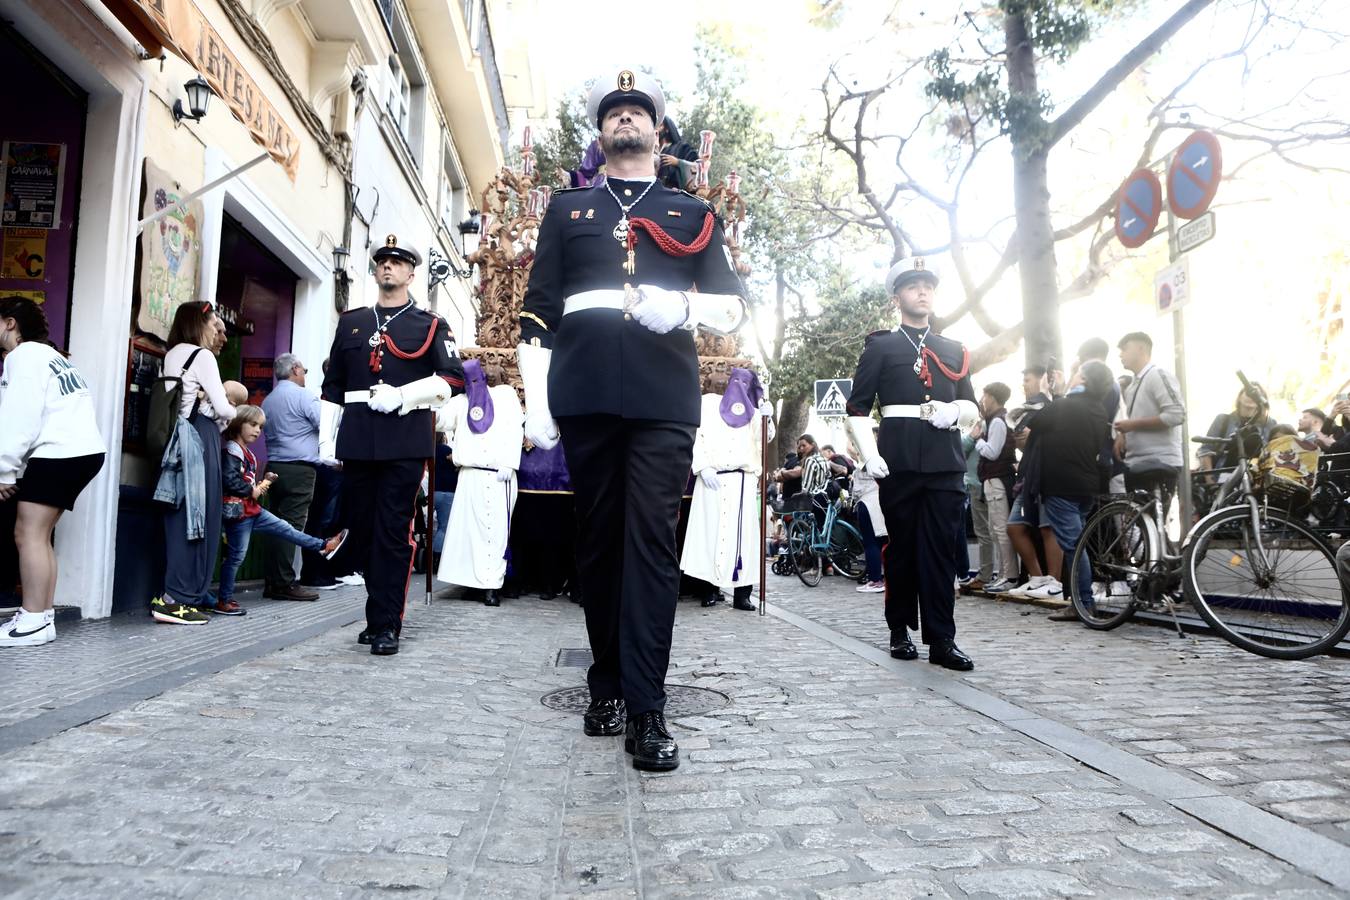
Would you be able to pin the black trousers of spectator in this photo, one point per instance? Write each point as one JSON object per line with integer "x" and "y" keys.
{"x": 628, "y": 476}
{"x": 1154, "y": 480}
{"x": 288, "y": 500}
{"x": 922, "y": 513}
{"x": 378, "y": 502}
{"x": 325, "y": 511}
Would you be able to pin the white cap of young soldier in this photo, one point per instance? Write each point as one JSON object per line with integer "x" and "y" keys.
{"x": 625, "y": 86}
{"x": 911, "y": 268}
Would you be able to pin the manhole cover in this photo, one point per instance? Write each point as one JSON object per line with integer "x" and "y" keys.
{"x": 681, "y": 700}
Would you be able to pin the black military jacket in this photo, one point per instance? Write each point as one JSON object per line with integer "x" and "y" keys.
{"x": 368, "y": 435}
{"x": 886, "y": 373}
{"x": 602, "y": 362}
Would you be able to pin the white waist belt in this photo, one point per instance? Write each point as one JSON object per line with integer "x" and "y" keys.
{"x": 609, "y": 298}
{"x": 906, "y": 411}
{"x": 364, "y": 397}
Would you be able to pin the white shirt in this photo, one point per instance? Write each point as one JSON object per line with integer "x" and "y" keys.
{"x": 45, "y": 408}
{"x": 203, "y": 376}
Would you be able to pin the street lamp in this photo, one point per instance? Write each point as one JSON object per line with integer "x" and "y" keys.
{"x": 198, "y": 95}
{"x": 340, "y": 256}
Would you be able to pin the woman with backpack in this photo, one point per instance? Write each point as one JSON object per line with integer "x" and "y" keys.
{"x": 192, "y": 527}
{"x": 50, "y": 449}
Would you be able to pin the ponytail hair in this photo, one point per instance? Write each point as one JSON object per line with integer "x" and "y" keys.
{"x": 31, "y": 319}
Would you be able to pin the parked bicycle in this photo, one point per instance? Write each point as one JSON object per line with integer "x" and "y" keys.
{"x": 1257, "y": 573}
{"x": 812, "y": 546}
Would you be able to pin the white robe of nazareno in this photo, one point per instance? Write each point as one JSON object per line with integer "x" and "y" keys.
{"x": 474, "y": 553}
{"x": 724, "y": 523}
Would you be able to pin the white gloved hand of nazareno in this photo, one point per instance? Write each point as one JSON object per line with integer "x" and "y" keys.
{"x": 944, "y": 415}
{"x": 505, "y": 473}
{"x": 709, "y": 478}
{"x": 658, "y": 309}
{"x": 385, "y": 398}
{"x": 876, "y": 467}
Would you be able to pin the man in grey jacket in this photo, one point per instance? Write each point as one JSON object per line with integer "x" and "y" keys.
{"x": 1149, "y": 436}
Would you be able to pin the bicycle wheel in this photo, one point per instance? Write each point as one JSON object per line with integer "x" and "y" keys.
{"x": 1115, "y": 551}
{"x": 846, "y": 550}
{"x": 805, "y": 561}
{"x": 1268, "y": 586}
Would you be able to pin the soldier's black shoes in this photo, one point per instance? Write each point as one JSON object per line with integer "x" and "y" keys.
{"x": 949, "y": 656}
{"x": 712, "y": 600}
{"x": 901, "y": 646}
{"x": 604, "y": 718}
{"x": 365, "y": 636}
{"x": 490, "y": 598}
{"x": 647, "y": 738}
{"x": 385, "y": 643}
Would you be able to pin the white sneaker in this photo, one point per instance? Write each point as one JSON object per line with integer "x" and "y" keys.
{"x": 1032, "y": 583}
{"x": 27, "y": 630}
{"x": 353, "y": 579}
{"x": 1049, "y": 589}
{"x": 871, "y": 587}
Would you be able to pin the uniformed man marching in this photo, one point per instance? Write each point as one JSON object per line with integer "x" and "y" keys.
{"x": 923, "y": 383}
{"x": 389, "y": 365}
{"x": 607, "y": 358}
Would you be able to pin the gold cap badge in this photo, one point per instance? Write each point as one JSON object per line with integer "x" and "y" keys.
{"x": 918, "y": 264}
{"x": 626, "y": 80}
{"x": 391, "y": 241}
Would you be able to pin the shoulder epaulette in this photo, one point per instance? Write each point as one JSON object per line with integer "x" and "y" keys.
{"x": 568, "y": 190}
{"x": 698, "y": 198}
{"x": 876, "y": 334}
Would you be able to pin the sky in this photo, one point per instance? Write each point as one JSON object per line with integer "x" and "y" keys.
{"x": 1279, "y": 228}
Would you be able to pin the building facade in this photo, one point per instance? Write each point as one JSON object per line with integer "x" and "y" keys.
{"x": 332, "y": 123}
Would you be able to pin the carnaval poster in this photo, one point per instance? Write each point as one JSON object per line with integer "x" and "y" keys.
{"x": 32, "y": 181}
{"x": 170, "y": 252}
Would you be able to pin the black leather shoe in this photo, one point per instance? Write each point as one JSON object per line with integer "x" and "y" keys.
{"x": 743, "y": 603}
{"x": 365, "y": 636}
{"x": 385, "y": 643}
{"x": 490, "y": 598}
{"x": 647, "y": 738}
{"x": 901, "y": 646}
{"x": 949, "y": 656}
{"x": 604, "y": 718}
{"x": 712, "y": 600}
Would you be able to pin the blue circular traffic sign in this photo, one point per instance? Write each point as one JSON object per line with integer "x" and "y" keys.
{"x": 1138, "y": 206}
{"x": 1193, "y": 177}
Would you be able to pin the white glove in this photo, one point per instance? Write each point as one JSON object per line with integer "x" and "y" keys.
{"x": 766, "y": 410}
{"x": 433, "y": 391}
{"x": 505, "y": 473}
{"x": 660, "y": 310}
{"x": 540, "y": 428}
{"x": 944, "y": 415}
{"x": 709, "y": 478}
{"x": 385, "y": 398}
{"x": 722, "y": 313}
{"x": 860, "y": 428}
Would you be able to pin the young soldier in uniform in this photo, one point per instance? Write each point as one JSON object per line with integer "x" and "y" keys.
{"x": 608, "y": 361}
{"x": 923, "y": 383}
{"x": 388, "y": 366}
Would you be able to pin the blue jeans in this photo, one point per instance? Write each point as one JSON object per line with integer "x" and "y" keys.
{"x": 444, "y": 500}
{"x": 1066, "y": 517}
{"x": 871, "y": 545}
{"x": 237, "y": 534}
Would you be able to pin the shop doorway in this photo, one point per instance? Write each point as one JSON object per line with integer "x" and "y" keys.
{"x": 42, "y": 127}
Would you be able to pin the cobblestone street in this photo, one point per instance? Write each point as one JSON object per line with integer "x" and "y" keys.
{"x": 819, "y": 768}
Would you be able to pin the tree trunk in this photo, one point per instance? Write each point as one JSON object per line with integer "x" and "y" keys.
{"x": 1036, "y": 266}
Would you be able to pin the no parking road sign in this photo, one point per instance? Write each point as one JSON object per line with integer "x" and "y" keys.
{"x": 1138, "y": 206}
{"x": 1193, "y": 177}
{"x": 832, "y": 396}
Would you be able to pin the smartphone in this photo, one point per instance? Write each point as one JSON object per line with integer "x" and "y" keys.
{"x": 270, "y": 476}
{"x": 1342, "y": 397}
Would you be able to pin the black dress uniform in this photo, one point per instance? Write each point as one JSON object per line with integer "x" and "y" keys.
{"x": 924, "y": 494}
{"x": 627, "y": 405}
{"x": 384, "y": 454}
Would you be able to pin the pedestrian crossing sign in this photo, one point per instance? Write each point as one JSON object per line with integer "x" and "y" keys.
{"x": 832, "y": 396}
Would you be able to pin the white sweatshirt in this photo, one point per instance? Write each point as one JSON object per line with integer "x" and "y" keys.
{"x": 204, "y": 376}
{"x": 45, "y": 410}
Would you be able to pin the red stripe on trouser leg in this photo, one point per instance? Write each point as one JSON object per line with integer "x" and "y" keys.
{"x": 412, "y": 557}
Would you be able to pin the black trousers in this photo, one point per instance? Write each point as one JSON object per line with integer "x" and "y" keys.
{"x": 378, "y": 502}
{"x": 322, "y": 522}
{"x": 921, "y": 513}
{"x": 628, "y": 476}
